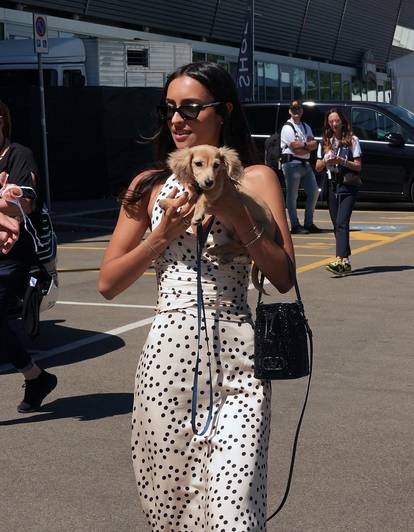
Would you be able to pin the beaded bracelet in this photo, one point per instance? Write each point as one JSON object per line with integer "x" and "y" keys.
{"x": 255, "y": 238}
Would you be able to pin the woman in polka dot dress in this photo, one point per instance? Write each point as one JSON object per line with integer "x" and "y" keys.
{"x": 187, "y": 481}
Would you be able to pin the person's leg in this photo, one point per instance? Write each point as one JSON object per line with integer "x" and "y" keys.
{"x": 292, "y": 173}
{"x": 311, "y": 189}
{"x": 346, "y": 203}
{"x": 38, "y": 383}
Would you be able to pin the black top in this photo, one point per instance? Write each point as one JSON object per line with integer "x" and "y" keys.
{"x": 19, "y": 163}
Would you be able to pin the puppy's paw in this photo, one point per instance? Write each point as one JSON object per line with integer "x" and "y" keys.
{"x": 197, "y": 218}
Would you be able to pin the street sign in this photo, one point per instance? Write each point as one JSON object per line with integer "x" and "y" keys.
{"x": 41, "y": 44}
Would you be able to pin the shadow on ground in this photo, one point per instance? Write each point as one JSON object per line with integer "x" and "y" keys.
{"x": 381, "y": 269}
{"x": 58, "y": 345}
{"x": 81, "y": 407}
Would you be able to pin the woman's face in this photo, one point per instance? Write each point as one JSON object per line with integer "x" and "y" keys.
{"x": 335, "y": 123}
{"x": 206, "y": 128}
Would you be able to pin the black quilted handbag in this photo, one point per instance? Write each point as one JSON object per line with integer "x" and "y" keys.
{"x": 283, "y": 350}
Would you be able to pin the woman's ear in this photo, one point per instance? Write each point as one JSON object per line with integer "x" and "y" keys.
{"x": 231, "y": 159}
{"x": 229, "y": 106}
{"x": 180, "y": 163}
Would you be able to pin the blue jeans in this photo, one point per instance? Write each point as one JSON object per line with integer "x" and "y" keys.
{"x": 296, "y": 174}
{"x": 340, "y": 205}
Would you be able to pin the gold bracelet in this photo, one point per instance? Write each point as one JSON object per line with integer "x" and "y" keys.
{"x": 255, "y": 239}
{"x": 152, "y": 249}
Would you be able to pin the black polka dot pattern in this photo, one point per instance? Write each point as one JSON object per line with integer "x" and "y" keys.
{"x": 215, "y": 482}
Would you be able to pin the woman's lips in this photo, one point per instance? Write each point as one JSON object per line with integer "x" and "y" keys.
{"x": 181, "y": 134}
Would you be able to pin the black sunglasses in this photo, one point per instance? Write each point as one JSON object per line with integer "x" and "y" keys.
{"x": 188, "y": 111}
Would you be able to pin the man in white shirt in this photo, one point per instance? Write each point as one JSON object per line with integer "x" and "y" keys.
{"x": 296, "y": 142}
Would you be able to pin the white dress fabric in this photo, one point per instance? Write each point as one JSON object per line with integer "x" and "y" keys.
{"x": 216, "y": 482}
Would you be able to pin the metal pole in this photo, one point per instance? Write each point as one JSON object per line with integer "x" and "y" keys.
{"x": 44, "y": 130}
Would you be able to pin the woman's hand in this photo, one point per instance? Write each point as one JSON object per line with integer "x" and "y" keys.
{"x": 178, "y": 211}
{"x": 9, "y": 232}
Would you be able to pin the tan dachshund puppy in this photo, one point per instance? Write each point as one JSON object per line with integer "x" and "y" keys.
{"x": 205, "y": 167}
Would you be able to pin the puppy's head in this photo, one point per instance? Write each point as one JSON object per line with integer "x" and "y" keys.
{"x": 206, "y": 164}
{"x": 179, "y": 162}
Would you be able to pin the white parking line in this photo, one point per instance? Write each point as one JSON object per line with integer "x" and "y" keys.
{"x": 85, "y": 341}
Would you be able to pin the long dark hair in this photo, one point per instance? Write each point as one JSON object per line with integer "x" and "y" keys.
{"x": 327, "y": 132}
{"x": 234, "y": 133}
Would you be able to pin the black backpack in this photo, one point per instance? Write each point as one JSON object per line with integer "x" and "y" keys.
{"x": 273, "y": 149}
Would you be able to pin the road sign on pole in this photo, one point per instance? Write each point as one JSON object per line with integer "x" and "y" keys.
{"x": 41, "y": 44}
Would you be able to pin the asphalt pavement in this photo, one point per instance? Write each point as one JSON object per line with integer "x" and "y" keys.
{"x": 68, "y": 466}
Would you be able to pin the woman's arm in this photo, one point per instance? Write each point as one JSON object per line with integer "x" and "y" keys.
{"x": 268, "y": 253}
{"x": 127, "y": 256}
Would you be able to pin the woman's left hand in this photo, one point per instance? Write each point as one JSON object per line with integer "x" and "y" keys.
{"x": 9, "y": 233}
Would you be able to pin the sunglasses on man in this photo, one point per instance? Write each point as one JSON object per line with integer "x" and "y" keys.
{"x": 188, "y": 111}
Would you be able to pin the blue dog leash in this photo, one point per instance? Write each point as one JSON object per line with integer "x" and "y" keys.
{"x": 201, "y": 316}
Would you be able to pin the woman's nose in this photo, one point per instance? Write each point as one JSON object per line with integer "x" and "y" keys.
{"x": 177, "y": 118}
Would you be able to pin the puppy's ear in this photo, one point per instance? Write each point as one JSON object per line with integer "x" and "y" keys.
{"x": 180, "y": 163}
{"x": 231, "y": 159}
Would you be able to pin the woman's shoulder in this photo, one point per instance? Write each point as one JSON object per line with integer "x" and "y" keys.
{"x": 259, "y": 172}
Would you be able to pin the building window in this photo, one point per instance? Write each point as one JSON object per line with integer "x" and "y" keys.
{"x": 271, "y": 77}
{"x": 299, "y": 84}
{"x": 312, "y": 85}
{"x": 260, "y": 95}
{"x": 214, "y": 58}
{"x": 356, "y": 90}
{"x": 336, "y": 87}
{"x": 198, "y": 56}
{"x": 325, "y": 85}
{"x": 387, "y": 91}
{"x": 372, "y": 91}
{"x": 346, "y": 90}
{"x": 137, "y": 57}
{"x": 286, "y": 86}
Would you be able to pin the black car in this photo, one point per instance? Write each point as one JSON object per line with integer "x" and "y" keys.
{"x": 385, "y": 131}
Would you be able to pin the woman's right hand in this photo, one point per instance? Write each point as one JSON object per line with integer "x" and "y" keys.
{"x": 178, "y": 211}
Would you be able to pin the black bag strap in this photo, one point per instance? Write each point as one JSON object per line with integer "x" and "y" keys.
{"x": 299, "y": 425}
{"x": 292, "y": 275}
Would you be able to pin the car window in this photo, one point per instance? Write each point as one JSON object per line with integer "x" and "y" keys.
{"x": 261, "y": 120}
{"x": 364, "y": 124}
{"x": 368, "y": 124}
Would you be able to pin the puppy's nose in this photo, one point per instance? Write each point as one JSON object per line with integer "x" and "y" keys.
{"x": 208, "y": 183}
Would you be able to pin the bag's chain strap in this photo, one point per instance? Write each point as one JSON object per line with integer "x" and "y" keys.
{"x": 201, "y": 317}
{"x": 305, "y": 401}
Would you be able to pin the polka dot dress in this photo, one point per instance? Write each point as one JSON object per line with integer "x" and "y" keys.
{"x": 215, "y": 482}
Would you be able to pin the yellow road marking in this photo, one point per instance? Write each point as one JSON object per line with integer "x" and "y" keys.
{"x": 309, "y": 255}
{"x": 362, "y": 249}
{"x": 368, "y": 236}
{"x": 315, "y": 245}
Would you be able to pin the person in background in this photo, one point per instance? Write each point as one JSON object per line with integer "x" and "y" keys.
{"x": 297, "y": 143}
{"x": 17, "y": 167}
{"x": 340, "y": 154}
{"x": 186, "y": 481}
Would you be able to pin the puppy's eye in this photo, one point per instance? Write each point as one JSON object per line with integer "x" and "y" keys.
{"x": 216, "y": 164}
{"x": 198, "y": 163}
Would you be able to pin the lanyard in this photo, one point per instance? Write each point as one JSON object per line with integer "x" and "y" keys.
{"x": 201, "y": 317}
